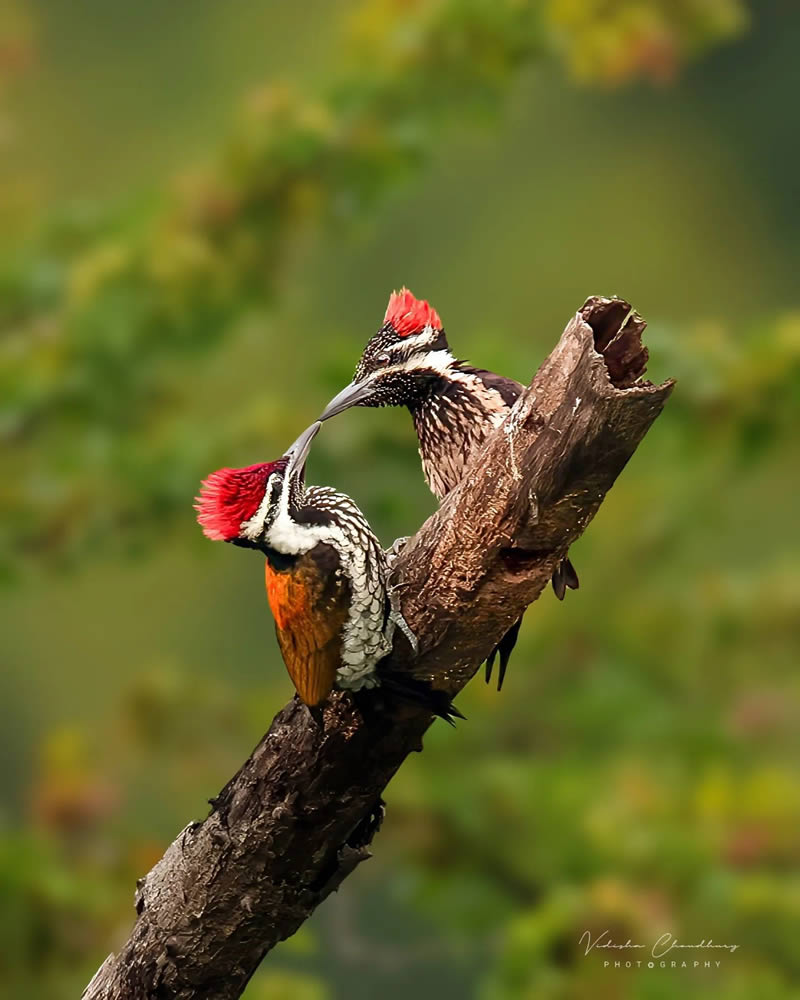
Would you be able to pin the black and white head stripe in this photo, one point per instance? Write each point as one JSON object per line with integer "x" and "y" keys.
{"x": 386, "y": 350}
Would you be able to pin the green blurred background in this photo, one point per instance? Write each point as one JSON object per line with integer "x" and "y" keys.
{"x": 203, "y": 209}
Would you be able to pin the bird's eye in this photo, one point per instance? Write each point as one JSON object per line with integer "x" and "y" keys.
{"x": 383, "y": 359}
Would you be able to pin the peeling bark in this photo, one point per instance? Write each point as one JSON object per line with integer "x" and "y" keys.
{"x": 300, "y": 814}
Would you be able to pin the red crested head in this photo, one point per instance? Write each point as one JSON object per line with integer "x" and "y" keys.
{"x": 409, "y": 315}
{"x": 230, "y": 496}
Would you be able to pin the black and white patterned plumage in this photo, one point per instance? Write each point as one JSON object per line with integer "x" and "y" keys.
{"x": 321, "y": 515}
{"x": 454, "y": 406}
{"x": 453, "y": 421}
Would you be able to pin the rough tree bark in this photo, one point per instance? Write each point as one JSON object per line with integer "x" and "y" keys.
{"x": 300, "y": 814}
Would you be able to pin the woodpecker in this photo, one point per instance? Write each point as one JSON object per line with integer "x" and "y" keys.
{"x": 326, "y": 577}
{"x": 454, "y": 406}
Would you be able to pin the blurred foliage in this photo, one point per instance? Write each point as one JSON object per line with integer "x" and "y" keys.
{"x": 93, "y": 325}
{"x": 16, "y": 43}
{"x": 639, "y": 772}
{"x": 99, "y": 317}
{"x": 614, "y": 42}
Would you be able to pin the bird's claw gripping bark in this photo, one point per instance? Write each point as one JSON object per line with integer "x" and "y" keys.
{"x": 396, "y": 612}
{"x": 395, "y": 549}
{"x": 396, "y": 616}
{"x": 370, "y": 824}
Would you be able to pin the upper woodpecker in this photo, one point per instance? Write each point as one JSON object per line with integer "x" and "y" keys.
{"x": 453, "y": 405}
{"x": 326, "y": 575}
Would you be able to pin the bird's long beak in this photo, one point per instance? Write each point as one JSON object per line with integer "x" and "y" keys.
{"x": 298, "y": 453}
{"x": 351, "y": 395}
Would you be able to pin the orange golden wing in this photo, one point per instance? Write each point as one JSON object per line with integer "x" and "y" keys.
{"x": 310, "y": 608}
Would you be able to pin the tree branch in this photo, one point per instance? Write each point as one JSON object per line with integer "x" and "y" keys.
{"x": 300, "y": 814}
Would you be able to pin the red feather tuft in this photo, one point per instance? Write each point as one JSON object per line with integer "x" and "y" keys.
{"x": 409, "y": 315}
{"x": 230, "y": 496}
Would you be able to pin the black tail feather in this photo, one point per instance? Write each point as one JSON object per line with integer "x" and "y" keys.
{"x": 570, "y": 575}
{"x": 419, "y": 692}
{"x": 558, "y": 582}
{"x": 490, "y": 663}
{"x": 564, "y": 576}
{"x": 503, "y": 649}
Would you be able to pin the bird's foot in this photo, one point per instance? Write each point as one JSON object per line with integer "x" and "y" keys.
{"x": 395, "y": 549}
{"x": 368, "y": 826}
{"x": 396, "y": 616}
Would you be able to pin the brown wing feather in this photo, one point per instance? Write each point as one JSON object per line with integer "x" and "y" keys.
{"x": 310, "y": 605}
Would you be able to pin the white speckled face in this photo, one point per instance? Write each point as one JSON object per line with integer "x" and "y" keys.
{"x": 387, "y": 351}
{"x": 396, "y": 370}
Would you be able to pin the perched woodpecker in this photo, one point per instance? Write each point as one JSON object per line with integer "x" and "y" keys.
{"x": 326, "y": 576}
{"x": 453, "y": 405}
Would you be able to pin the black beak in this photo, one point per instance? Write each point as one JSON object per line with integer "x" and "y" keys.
{"x": 351, "y": 395}
{"x": 298, "y": 453}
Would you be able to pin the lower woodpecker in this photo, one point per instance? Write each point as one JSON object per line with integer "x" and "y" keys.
{"x": 326, "y": 577}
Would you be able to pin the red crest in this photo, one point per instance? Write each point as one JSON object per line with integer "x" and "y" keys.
{"x": 409, "y": 315}
{"x": 230, "y": 496}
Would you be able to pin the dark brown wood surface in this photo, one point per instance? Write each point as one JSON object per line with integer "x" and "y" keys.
{"x": 299, "y": 815}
